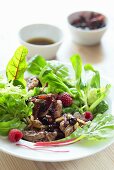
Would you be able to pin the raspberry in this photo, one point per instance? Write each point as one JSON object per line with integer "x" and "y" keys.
{"x": 88, "y": 115}
{"x": 65, "y": 98}
{"x": 15, "y": 135}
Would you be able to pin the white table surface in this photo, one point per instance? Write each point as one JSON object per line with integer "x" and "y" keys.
{"x": 15, "y": 14}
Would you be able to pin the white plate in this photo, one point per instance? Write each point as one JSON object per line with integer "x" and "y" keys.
{"x": 78, "y": 150}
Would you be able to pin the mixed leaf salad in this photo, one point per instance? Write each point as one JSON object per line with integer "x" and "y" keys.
{"x": 51, "y": 107}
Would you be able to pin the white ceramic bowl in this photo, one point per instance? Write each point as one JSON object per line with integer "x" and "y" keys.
{"x": 85, "y": 37}
{"x": 41, "y": 31}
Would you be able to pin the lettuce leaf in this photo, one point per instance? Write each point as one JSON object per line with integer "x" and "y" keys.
{"x": 13, "y": 101}
{"x": 55, "y": 84}
{"x": 6, "y": 126}
{"x": 17, "y": 66}
{"x": 36, "y": 64}
{"x": 58, "y": 69}
{"x": 13, "y": 107}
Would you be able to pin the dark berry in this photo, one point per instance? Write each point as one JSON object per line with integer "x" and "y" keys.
{"x": 55, "y": 124}
{"x": 45, "y": 121}
{"x": 50, "y": 128}
{"x": 72, "y": 121}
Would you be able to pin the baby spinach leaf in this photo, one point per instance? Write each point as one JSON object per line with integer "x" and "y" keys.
{"x": 71, "y": 109}
{"x": 55, "y": 84}
{"x": 17, "y": 66}
{"x": 101, "y": 108}
{"x": 36, "y": 64}
{"x": 59, "y": 70}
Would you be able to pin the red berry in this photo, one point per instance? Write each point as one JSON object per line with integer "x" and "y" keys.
{"x": 88, "y": 115}
{"x": 65, "y": 98}
{"x": 15, "y": 135}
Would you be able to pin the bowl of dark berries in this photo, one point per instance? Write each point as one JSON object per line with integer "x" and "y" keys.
{"x": 87, "y": 27}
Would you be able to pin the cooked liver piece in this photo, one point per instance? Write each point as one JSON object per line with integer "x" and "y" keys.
{"x": 32, "y": 82}
{"x": 58, "y": 109}
{"x": 33, "y": 136}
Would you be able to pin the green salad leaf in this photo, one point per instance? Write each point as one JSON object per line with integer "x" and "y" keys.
{"x": 89, "y": 91}
{"x": 58, "y": 69}
{"x": 77, "y": 66}
{"x": 51, "y": 73}
{"x": 36, "y": 64}
{"x": 71, "y": 109}
{"x": 2, "y": 82}
{"x": 17, "y": 66}
{"x": 13, "y": 101}
{"x": 103, "y": 94}
{"x": 55, "y": 84}
{"x": 101, "y": 108}
{"x": 13, "y": 107}
{"x": 6, "y": 126}
{"x": 95, "y": 80}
